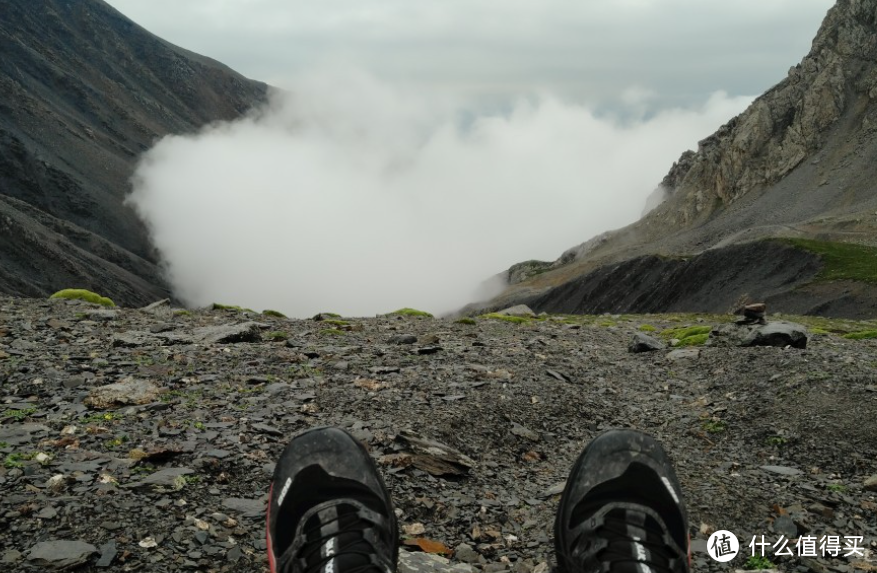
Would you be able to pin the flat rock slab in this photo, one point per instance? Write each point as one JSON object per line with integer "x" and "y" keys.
{"x": 169, "y": 479}
{"x": 17, "y": 434}
{"x": 61, "y": 554}
{"x": 246, "y": 507}
{"x": 644, "y": 343}
{"x": 780, "y": 334}
{"x": 229, "y": 333}
{"x": 782, "y": 470}
{"x": 683, "y": 354}
{"x": 412, "y": 562}
{"x": 127, "y": 392}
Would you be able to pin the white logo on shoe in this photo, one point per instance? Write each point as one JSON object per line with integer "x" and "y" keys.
{"x": 329, "y": 551}
{"x": 284, "y": 491}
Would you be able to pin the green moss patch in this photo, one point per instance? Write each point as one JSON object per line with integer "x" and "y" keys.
{"x": 647, "y": 328}
{"x": 274, "y": 313}
{"x": 410, "y": 312}
{"x": 277, "y": 335}
{"x": 861, "y": 335}
{"x": 841, "y": 261}
{"x": 685, "y": 332}
{"x": 693, "y": 340}
{"x": 513, "y": 319}
{"x": 82, "y": 294}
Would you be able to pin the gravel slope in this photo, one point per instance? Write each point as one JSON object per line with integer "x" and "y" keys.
{"x": 519, "y": 400}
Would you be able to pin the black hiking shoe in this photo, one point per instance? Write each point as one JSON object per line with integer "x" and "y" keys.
{"x": 328, "y": 510}
{"x": 621, "y": 510}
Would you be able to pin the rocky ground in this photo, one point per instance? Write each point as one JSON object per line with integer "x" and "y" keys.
{"x": 171, "y": 472}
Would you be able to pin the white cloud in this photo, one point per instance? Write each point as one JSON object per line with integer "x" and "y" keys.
{"x": 683, "y": 49}
{"x": 358, "y": 196}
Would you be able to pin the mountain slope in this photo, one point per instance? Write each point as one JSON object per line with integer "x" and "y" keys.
{"x": 85, "y": 91}
{"x": 799, "y": 162}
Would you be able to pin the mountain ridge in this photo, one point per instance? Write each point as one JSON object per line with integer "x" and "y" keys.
{"x": 799, "y": 163}
{"x": 87, "y": 91}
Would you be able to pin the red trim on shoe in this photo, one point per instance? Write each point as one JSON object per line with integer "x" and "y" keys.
{"x": 272, "y": 566}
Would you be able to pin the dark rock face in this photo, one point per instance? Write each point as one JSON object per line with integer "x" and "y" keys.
{"x": 85, "y": 92}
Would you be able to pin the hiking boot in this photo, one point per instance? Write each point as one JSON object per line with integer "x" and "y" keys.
{"x": 328, "y": 510}
{"x": 621, "y": 510}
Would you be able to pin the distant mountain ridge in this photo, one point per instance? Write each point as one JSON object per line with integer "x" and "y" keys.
{"x": 800, "y": 162}
{"x": 84, "y": 92}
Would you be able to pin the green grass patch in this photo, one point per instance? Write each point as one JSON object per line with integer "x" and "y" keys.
{"x": 714, "y": 426}
{"x": 836, "y": 487}
{"x": 861, "y": 335}
{"x": 512, "y": 319}
{"x": 336, "y": 322}
{"x": 466, "y": 320}
{"x": 693, "y": 340}
{"x": 647, "y": 328}
{"x": 841, "y": 261}
{"x": 82, "y": 294}
{"x": 776, "y": 441}
{"x": 756, "y": 562}
{"x": 685, "y": 331}
{"x": 274, "y": 313}
{"x": 182, "y": 313}
{"x": 331, "y": 332}
{"x": 277, "y": 335}
{"x": 410, "y": 312}
{"x": 19, "y": 415}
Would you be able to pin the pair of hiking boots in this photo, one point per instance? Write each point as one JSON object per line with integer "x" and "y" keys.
{"x": 621, "y": 509}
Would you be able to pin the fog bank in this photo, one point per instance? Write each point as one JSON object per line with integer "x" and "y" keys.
{"x": 358, "y": 197}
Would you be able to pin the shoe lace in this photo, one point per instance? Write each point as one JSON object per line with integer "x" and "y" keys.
{"x": 620, "y": 545}
{"x": 339, "y": 537}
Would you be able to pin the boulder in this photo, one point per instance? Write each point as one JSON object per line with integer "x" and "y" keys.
{"x": 778, "y": 333}
{"x": 521, "y": 310}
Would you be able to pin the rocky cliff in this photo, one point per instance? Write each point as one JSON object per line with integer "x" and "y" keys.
{"x": 84, "y": 92}
{"x": 799, "y": 162}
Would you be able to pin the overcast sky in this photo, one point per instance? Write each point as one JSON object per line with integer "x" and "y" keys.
{"x": 590, "y": 50}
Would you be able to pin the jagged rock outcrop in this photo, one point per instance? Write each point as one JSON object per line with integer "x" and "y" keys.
{"x": 787, "y": 124}
{"x": 85, "y": 92}
{"x": 799, "y": 162}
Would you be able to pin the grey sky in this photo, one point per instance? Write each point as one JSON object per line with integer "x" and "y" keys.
{"x": 588, "y": 50}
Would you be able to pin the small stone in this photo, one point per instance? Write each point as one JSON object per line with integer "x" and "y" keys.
{"x": 414, "y": 529}
{"x": 252, "y": 508}
{"x": 785, "y": 526}
{"x": 11, "y": 556}
{"x": 871, "y": 483}
{"x": 525, "y": 433}
{"x": 644, "y": 343}
{"x": 108, "y": 552}
{"x": 429, "y": 350}
{"x": 782, "y": 470}
{"x": 403, "y": 339}
{"x": 47, "y": 513}
{"x": 61, "y": 554}
{"x": 466, "y": 554}
{"x": 683, "y": 354}
{"x": 129, "y": 391}
{"x": 148, "y": 543}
